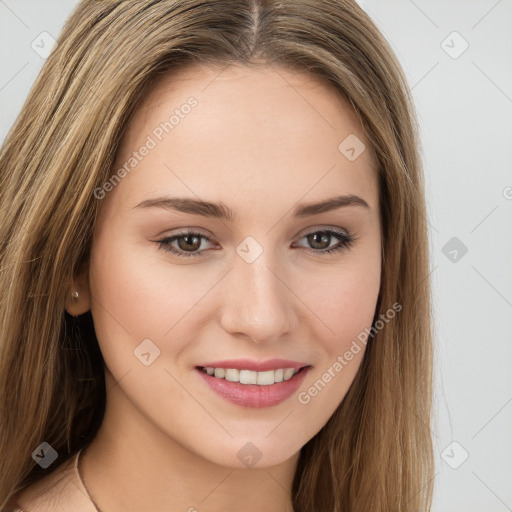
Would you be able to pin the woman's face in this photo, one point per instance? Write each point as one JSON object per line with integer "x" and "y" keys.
{"x": 256, "y": 283}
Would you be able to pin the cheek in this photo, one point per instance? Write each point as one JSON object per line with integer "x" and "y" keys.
{"x": 346, "y": 306}
{"x": 137, "y": 298}
{"x": 137, "y": 295}
{"x": 344, "y": 300}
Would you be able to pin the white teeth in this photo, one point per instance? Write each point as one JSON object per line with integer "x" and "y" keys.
{"x": 220, "y": 373}
{"x": 248, "y": 377}
{"x": 232, "y": 375}
{"x": 288, "y": 373}
{"x": 265, "y": 378}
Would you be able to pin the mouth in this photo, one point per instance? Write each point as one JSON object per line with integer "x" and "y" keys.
{"x": 247, "y": 387}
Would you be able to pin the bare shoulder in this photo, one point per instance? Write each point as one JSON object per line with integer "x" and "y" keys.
{"x": 58, "y": 491}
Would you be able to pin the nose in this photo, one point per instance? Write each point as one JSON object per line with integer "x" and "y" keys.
{"x": 258, "y": 303}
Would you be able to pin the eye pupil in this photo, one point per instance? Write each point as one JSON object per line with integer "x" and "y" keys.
{"x": 189, "y": 245}
{"x": 324, "y": 239}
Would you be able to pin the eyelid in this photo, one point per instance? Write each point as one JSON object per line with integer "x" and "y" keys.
{"x": 316, "y": 229}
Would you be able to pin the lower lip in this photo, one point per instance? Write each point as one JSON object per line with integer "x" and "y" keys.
{"x": 253, "y": 395}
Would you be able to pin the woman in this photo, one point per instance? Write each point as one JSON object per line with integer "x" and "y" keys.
{"x": 214, "y": 284}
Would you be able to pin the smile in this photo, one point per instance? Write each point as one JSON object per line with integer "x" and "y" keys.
{"x": 252, "y": 388}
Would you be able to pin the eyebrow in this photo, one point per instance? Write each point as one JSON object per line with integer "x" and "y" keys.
{"x": 221, "y": 211}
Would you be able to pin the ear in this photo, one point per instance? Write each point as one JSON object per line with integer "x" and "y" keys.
{"x": 78, "y": 299}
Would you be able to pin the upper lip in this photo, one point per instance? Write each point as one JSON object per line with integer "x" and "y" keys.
{"x": 256, "y": 366}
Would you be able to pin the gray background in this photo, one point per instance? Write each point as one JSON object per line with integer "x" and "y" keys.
{"x": 464, "y": 102}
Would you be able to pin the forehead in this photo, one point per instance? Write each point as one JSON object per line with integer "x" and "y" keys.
{"x": 250, "y": 130}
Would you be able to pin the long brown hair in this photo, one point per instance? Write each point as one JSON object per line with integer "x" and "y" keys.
{"x": 375, "y": 452}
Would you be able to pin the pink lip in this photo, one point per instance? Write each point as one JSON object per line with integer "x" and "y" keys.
{"x": 253, "y": 395}
{"x": 255, "y": 366}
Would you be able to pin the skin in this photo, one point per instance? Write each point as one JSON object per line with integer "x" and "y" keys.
{"x": 260, "y": 141}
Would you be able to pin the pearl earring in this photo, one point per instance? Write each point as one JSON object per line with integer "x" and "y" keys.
{"x": 74, "y": 295}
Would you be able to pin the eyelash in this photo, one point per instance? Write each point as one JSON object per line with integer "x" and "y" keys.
{"x": 346, "y": 241}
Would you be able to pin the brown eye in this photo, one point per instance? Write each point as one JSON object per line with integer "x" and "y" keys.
{"x": 188, "y": 244}
{"x": 191, "y": 242}
{"x": 321, "y": 240}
